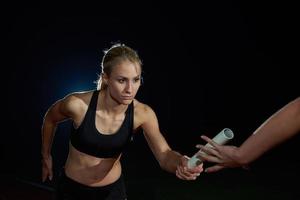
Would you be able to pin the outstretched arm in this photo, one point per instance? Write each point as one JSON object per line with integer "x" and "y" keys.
{"x": 168, "y": 159}
{"x": 281, "y": 126}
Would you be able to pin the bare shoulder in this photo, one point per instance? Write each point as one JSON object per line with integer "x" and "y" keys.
{"x": 76, "y": 102}
{"x": 78, "y": 97}
{"x": 143, "y": 111}
{"x": 145, "y": 118}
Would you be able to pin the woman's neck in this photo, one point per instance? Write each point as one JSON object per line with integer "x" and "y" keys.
{"x": 108, "y": 104}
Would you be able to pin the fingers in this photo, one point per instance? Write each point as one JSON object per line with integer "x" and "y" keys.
{"x": 47, "y": 174}
{"x": 46, "y": 171}
{"x": 209, "y": 154}
{"x": 50, "y": 175}
{"x": 185, "y": 174}
{"x": 44, "y": 176}
{"x": 209, "y": 141}
{"x": 198, "y": 169}
{"x": 208, "y": 150}
{"x": 208, "y": 158}
{"x": 214, "y": 168}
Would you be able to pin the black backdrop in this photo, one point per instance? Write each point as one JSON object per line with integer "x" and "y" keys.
{"x": 206, "y": 66}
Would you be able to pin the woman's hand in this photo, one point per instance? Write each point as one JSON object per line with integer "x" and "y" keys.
{"x": 47, "y": 168}
{"x": 184, "y": 173}
{"x": 225, "y": 156}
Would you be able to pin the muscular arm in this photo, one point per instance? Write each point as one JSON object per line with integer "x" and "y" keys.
{"x": 167, "y": 158}
{"x": 58, "y": 112}
{"x": 282, "y": 125}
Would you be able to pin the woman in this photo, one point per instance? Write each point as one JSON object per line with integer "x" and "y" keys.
{"x": 103, "y": 123}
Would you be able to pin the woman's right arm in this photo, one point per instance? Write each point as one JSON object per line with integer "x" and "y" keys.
{"x": 61, "y": 110}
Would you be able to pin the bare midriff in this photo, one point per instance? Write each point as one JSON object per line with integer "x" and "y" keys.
{"x": 90, "y": 170}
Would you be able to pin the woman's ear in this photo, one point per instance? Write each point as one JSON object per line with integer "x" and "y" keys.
{"x": 104, "y": 78}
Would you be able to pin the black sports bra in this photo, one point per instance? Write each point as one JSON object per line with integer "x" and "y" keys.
{"x": 87, "y": 139}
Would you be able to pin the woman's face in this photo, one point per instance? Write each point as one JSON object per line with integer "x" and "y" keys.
{"x": 124, "y": 81}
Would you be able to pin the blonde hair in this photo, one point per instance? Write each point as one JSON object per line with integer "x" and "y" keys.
{"x": 112, "y": 57}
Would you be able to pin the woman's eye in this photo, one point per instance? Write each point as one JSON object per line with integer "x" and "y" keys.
{"x": 137, "y": 80}
{"x": 121, "y": 80}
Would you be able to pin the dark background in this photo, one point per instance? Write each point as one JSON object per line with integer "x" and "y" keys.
{"x": 207, "y": 65}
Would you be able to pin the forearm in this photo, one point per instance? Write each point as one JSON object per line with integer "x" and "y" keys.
{"x": 170, "y": 160}
{"x": 48, "y": 131}
{"x": 278, "y": 128}
{"x": 55, "y": 114}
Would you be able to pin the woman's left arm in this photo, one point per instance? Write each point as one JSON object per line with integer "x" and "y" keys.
{"x": 168, "y": 159}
